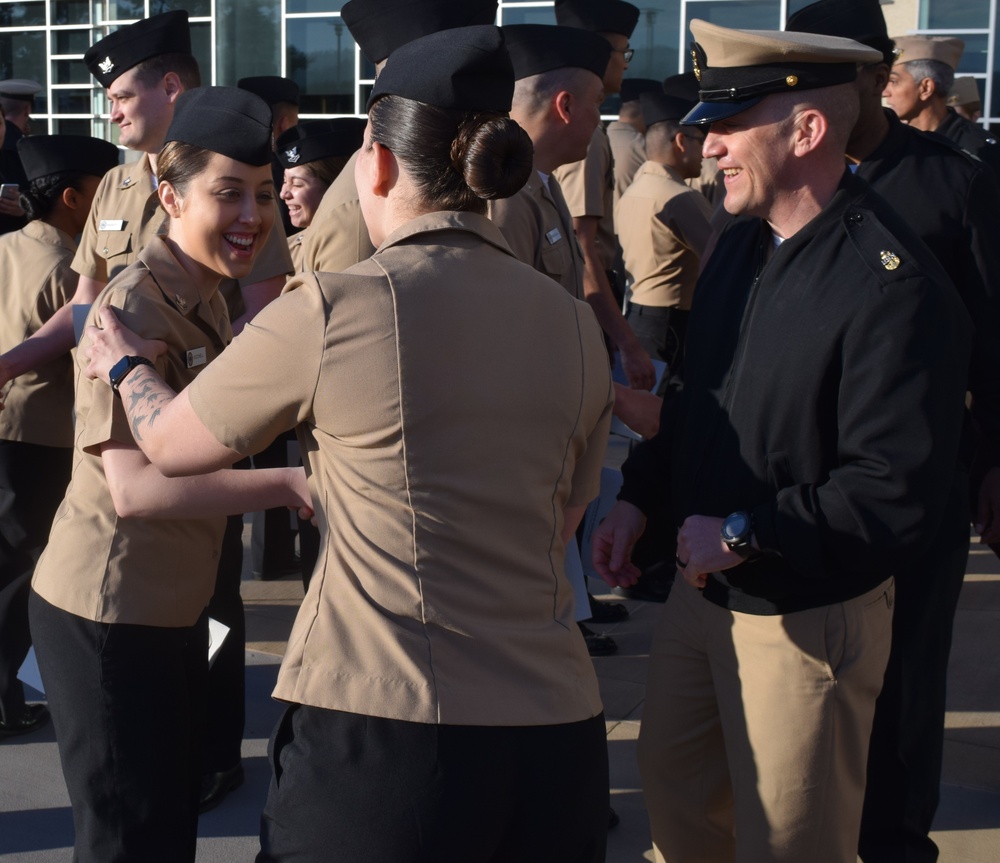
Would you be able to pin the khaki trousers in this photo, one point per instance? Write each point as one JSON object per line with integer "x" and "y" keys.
{"x": 755, "y": 729}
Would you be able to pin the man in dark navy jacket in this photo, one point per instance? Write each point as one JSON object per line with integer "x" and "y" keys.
{"x": 812, "y": 448}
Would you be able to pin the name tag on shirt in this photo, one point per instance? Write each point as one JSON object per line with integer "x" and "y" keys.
{"x": 197, "y": 357}
{"x": 553, "y": 236}
{"x": 111, "y": 225}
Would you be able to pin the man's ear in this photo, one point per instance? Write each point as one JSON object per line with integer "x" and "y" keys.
{"x": 562, "y": 102}
{"x": 811, "y": 128}
{"x": 172, "y": 86}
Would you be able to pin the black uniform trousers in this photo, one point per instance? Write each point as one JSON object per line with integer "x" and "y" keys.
{"x": 904, "y": 759}
{"x": 33, "y": 480}
{"x": 125, "y": 701}
{"x": 660, "y": 331}
{"x": 363, "y": 789}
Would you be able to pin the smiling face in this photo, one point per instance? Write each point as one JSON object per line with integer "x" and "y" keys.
{"x": 142, "y": 113}
{"x": 752, "y": 148}
{"x": 302, "y": 191}
{"x": 222, "y": 217}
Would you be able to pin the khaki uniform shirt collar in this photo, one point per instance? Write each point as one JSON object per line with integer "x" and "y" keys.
{"x": 177, "y": 287}
{"x": 449, "y": 220}
{"x": 46, "y": 233}
{"x": 660, "y": 170}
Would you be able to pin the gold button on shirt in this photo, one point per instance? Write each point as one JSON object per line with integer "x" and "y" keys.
{"x": 450, "y": 401}
{"x": 156, "y": 572}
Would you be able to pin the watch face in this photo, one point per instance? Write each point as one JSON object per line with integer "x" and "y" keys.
{"x": 735, "y": 526}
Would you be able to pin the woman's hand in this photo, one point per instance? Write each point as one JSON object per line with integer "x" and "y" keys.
{"x": 301, "y": 500}
{"x": 110, "y": 341}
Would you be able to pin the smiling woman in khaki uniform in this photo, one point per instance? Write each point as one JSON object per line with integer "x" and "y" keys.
{"x": 440, "y": 695}
{"x": 118, "y": 602}
{"x": 36, "y": 426}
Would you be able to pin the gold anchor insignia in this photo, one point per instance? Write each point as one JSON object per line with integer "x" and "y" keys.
{"x": 792, "y": 80}
{"x": 697, "y": 68}
{"x": 890, "y": 260}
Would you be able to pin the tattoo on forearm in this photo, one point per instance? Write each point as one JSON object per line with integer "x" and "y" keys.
{"x": 146, "y": 398}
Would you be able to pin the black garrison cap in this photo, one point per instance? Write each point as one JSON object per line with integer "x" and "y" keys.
{"x": 129, "y": 46}
{"x": 860, "y": 20}
{"x": 683, "y": 86}
{"x": 43, "y": 155}
{"x": 658, "y": 107}
{"x": 538, "y": 48}
{"x": 603, "y": 16}
{"x": 319, "y": 139}
{"x": 738, "y": 68}
{"x": 225, "y": 120}
{"x": 271, "y": 88}
{"x": 381, "y": 26}
{"x": 467, "y": 69}
{"x": 632, "y": 88}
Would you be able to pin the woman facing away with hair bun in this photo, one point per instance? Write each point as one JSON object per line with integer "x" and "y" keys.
{"x": 453, "y": 405}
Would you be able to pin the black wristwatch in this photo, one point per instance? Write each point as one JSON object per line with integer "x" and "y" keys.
{"x": 120, "y": 370}
{"x": 737, "y": 533}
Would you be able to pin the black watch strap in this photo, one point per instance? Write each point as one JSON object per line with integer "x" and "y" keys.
{"x": 737, "y": 533}
{"x": 121, "y": 369}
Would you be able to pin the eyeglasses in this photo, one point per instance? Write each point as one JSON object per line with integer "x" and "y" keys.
{"x": 628, "y": 53}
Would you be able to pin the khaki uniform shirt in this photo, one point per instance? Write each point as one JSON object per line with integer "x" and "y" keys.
{"x": 589, "y": 188}
{"x": 126, "y": 214}
{"x": 628, "y": 150}
{"x": 37, "y": 282}
{"x": 338, "y": 236}
{"x": 710, "y": 183}
{"x": 663, "y": 226}
{"x": 538, "y": 228}
{"x": 156, "y": 572}
{"x": 450, "y": 401}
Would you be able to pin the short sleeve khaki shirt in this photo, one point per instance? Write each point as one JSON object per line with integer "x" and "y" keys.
{"x": 538, "y": 228}
{"x": 589, "y": 187}
{"x": 156, "y": 572}
{"x": 663, "y": 226}
{"x": 38, "y": 281}
{"x": 444, "y": 430}
{"x": 338, "y": 236}
{"x": 628, "y": 150}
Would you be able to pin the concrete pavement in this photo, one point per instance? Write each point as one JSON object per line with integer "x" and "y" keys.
{"x": 36, "y": 826}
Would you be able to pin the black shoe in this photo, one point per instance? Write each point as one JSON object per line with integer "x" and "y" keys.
{"x": 613, "y": 819}
{"x": 215, "y": 787}
{"x": 598, "y": 644}
{"x": 35, "y": 716}
{"x": 602, "y": 611}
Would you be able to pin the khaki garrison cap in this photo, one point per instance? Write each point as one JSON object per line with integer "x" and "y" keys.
{"x": 965, "y": 91}
{"x": 944, "y": 49}
{"x": 738, "y": 68}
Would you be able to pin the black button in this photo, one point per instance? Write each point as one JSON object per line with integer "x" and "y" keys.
{"x": 857, "y": 218}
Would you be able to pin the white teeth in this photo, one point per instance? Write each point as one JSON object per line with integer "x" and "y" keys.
{"x": 245, "y": 242}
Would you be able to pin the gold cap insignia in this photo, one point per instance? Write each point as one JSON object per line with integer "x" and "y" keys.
{"x": 697, "y": 68}
{"x": 106, "y": 65}
{"x": 890, "y": 260}
{"x": 792, "y": 80}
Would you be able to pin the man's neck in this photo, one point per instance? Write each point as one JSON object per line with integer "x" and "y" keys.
{"x": 868, "y": 135}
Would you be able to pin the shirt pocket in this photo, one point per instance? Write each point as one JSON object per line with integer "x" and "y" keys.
{"x": 116, "y": 248}
{"x": 557, "y": 259}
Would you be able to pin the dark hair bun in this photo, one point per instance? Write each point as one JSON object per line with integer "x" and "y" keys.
{"x": 494, "y": 155}
{"x": 33, "y": 206}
